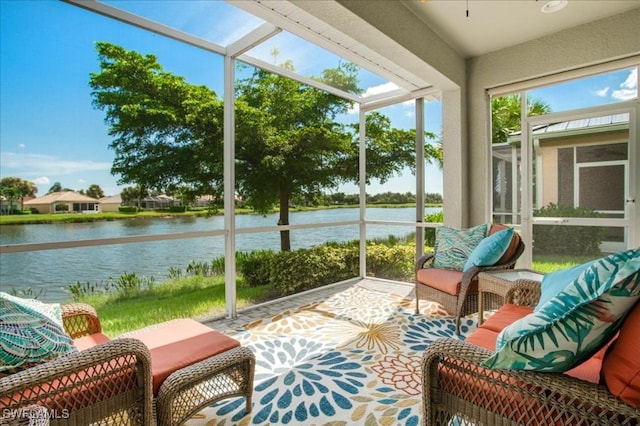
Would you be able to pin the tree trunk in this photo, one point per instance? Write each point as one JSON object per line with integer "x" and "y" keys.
{"x": 285, "y": 239}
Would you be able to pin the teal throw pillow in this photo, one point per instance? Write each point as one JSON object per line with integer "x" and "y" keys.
{"x": 490, "y": 249}
{"x": 453, "y": 246}
{"x": 554, "y": 282}
{"x": 572, "y": 326}
{"x": 31, "y": 332}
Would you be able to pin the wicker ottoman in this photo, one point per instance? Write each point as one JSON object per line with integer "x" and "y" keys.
{"x": 194, "y": 366}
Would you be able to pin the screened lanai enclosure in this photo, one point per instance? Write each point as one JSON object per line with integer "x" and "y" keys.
{"x": 233, "y": 48}
{"x": 356, "y": 120}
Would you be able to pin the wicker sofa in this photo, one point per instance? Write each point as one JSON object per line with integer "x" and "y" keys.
{"x": 456, "y": 386}
{"x": 116, "y": 382}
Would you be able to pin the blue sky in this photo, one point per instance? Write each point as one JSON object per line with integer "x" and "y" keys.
{"x": 49, "y": 131}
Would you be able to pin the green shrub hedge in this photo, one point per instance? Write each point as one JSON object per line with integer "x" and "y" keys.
{"x": 291, "y": 272}
{"x": 128, "y": 209}
{"x": 430, "y": 233}
{"x": 391, "y": 262}
{"x": 254, "y": 266}
{"x": 304, "y": 269}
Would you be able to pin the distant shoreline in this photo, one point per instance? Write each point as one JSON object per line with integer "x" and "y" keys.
{"x": 48, "y": 218}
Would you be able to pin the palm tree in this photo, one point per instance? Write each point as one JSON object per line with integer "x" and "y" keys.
{"x": 505, "y": 115}
{"x": 12, "y": 194}
{"x": 15, "y": 188}
{"x": 56, "y": 187}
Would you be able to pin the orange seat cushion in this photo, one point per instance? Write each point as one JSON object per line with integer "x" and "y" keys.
{"x": 179, "y": 344}
{"x": 621, "y": 365}
{"x": 86, "y": 342}
{"x": 505, "y": 316}
{"x": 445, "y": 280}
{"x": 483, "y": 338}
{"x": 486, "y": 335}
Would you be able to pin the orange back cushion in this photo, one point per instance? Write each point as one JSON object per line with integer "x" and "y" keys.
{"x": 513, "y": 246}
{"x": 621, "y": 365}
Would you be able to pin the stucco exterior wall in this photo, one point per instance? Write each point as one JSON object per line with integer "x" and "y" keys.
{"x": 598, "y": 42}
{"x": 41, "y": 208}
{"x": 109, "y": 207}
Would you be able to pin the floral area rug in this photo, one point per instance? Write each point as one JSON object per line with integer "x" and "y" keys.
{"x": 351, "y": 359}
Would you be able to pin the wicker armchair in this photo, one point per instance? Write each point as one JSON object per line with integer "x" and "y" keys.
{"x": 106, "y": 384}
{"x": 455, "y": 385}
{"x": 464, "y": 300}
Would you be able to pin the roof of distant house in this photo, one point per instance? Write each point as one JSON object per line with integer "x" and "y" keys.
{"x": 603, "y": 123}
{"x": 159, "y": 197}
{"x": 62, "y": 197}
{"x": 115, "y": 199}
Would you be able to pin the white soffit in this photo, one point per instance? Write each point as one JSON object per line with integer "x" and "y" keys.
{"x": 290, "y": 18}
{"x": 496, "y": 24}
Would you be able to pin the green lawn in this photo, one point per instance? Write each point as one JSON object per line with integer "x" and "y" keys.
{"x": 192, "y": 297}
{"x": 24, "y": 219}
{"x": 546, "y": 264}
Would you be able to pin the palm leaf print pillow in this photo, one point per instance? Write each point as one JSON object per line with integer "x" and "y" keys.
{"x": 572, "y": 326}
{"x": 453, "y": 246}
{"x": 31, "y": 332}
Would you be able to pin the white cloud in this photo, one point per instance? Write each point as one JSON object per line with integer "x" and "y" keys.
{"x": 22, "y": 146}
{"x": 628, "y": 88}
{"x": 43, "y": 180}
{"x": 46, "y": 165}
{"x": 602, "y": 92}
{"x": 382, "y": 88}
{"x": 624, "y": 94}
{"x": 374, "y": 90}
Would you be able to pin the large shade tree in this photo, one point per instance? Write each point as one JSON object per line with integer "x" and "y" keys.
{"x": 133, "y": 194}
{"x": 289, "y": 141}
{"x": 165, "y": 131}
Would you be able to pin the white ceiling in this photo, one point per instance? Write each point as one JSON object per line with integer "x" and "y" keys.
{"x": 496, "y": 24}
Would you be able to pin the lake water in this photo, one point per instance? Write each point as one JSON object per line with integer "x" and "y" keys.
{"x": 53, "y": 270}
